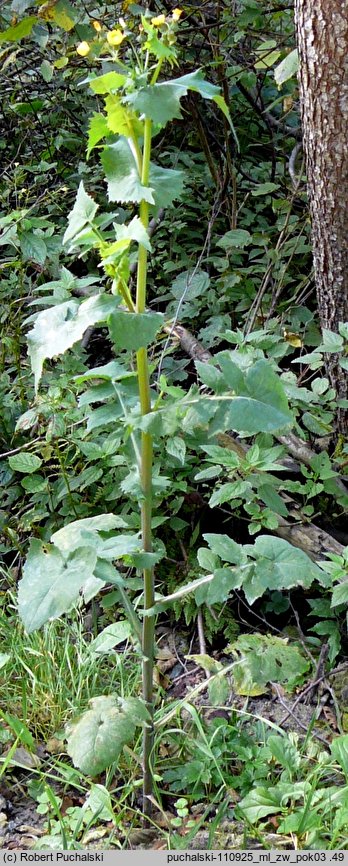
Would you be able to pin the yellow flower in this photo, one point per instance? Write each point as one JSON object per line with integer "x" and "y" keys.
{"x": 158, "y": 20}
{"x": 97, "y": 26}
{"x": 83, "y": 49}
{"x": 176, "y": 14}
{"x": 115, "y": 37}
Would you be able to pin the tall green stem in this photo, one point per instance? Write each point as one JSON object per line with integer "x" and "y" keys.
{"x": 146, "y": 485}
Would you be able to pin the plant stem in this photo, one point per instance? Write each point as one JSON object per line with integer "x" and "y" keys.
{"x": 146, "y": 484}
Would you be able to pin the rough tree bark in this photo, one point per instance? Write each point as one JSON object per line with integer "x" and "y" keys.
{"x": 322, "y": 37}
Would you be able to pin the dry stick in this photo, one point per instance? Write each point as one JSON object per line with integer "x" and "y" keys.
{"x": 307, "y": 536}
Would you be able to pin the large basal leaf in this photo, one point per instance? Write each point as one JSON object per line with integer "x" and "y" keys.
{"x": 134, "y": 330}
{"x": 97, "y": 737}
{"x": 51, "y": 583}
{"x": 82, "y": 214}
{"x": 58, "y": 328}
{"x": 264, "y": 659}
{"x": 122, "y": 174}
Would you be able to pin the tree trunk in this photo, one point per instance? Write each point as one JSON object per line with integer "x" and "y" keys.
{"x": 322, "y": 37}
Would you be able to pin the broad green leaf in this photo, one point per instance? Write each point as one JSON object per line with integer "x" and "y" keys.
{"x": 110, "y": 637}
{"x": 58, "y": 328}
{"x": 134, "y": 231}
{"x": 25, "y": 462}
{"x": 33, "y": 247}
{"x": 285, "y": 752}
{"x": 230, "y": 492}
{"x": 122, "y": 175}
{"x": 265, "y": 659}
{"x": 97, "y": 737}
{"x": 108, "y": 83}
{"x": 167, "y": 184}
{"x": 332, "y": 342}
{"x": 18, "y": 31}
{"x": 224, "y": 547}
{"x": 225, "y": 580}
{"x": 134, "y": 330}
{"x": 287, "y": 68}
{"x": 63, "y": 14}
{"x": 261, "y": 802}
{"x": 266, "y": 56}
{"x": 224, "y": 456}
{"x": 97, "y": 130}
{"x": 161, "y": 102}
{"x": 340, "y": 594}
{"x": 34, "y": 483}
{"x": 117, "y": 116}
{"x": 279, "y": 565}
{"x": 51, "y": 583}
{"x": 190, "y": 284}
{"x": 176, "y": 448}
{"x": 82, "y": 214}
{"x": 260, "y": 404}
{"x": 69, "y": 536}
{"x": 99, "y": 803}
{"x": 235, "y": 238}
{"x": 264, "y": 188}
{"x": 47, "y": 70}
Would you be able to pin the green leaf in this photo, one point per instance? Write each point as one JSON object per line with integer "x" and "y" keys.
{"x": 190, "y": 284}
{"x": 117, "y": 116}
{"x": 82, "y": 214}
{"x": 287, "y": 68}
{"x": 134, "y": 330}
{"x": 176, "y": 448}
{"x": 122, "y": 174}
{"x": 265, "y": 659}
{"x": 58, "y": 328}
{"x": 134, "y": 231}
{"x": 107, "y": 83}
{"x": 227, "y": 549}
{"x": 25, "y": 462}
{"x": 332, "y": 342}
{"x": 18, "y": 31}
{"x": 97, "y": 130}
{"x": 47, "y": 70}
{"x": 167, "y": 184}
{"x": 279, "y": 565}
{"x": 161, "y": 102}
{"x": 340, "y": 594}
{"x": 339, "y": 751}
{"x": 99, "y": 803}
{"x": 34, "y": 483}
{"x": 285, "y": 752}
{"x": 33, "y": 247}
{"x": 264, "y": 189}
{"x": 229, "y": 492}
{"x": 110, "y": 637}
{"x": 259, "y": 803}
{"x": 235, "y": 238}
{"x": 51, "y": 583}
{"x": 86, "y": 532}
{"x": 263, "y": 409}
{"x": 96, "y": 738}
